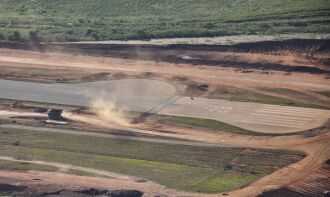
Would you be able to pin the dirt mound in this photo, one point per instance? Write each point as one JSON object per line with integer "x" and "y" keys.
{"x": 202, "y": 54}
{"x": 96, "y": 77}
{"x": 124, "y": 193}
{"x": 283, "y": 192}
{"x": 11, "y": 188}
{"x": 194, "y": 89}
{"x": 7, "y": 189}
{"x": 94, "y": 192}
{"x": 328, "y": 162}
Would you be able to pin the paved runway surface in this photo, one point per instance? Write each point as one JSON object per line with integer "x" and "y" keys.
{"x": 252, "y": 116}
{"x": 160, "y": 97}
{"x": 131, "y": 94}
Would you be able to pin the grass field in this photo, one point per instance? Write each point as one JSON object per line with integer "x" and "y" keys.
{"x": 27, "y": 166}
{"x": 24, "y": 166}
{"x": 83, "y": 173}
{"x": 241, "y": 95}
{"x": 325, "y": 93}
{"x": 143, "y": 19}
{"x": 214, "y": 124}
{"x": 199, "y": 169}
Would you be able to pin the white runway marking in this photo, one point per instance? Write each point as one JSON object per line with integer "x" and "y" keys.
{"x": 272, "y": 124}
{"x": 283, "y": 116}
{"x": 222, "y": 110}
{"x": 279, "y": 120}
{"x": 289, "y": 107}
{"x": 291, "y": 113}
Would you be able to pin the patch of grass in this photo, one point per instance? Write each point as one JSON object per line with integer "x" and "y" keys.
{"x": 214, "y": 124}
{"x": 82, "y": 173}
{"x": 226, "y": 182}
{"x": 240, "y": 95}
{"x": 176, "y": 166}
{"x": 221, "y": 126}
{"x": 6, "y": 121}
{"x": 311, "y": 101}
{"x": 74, "y": 81}
{"x": 325, "y": 93}
{"x": 289, "y": 92}
{"x": 144, "y": 19}
{"x": 286, "y": 91}
{"x": 26, "y": 166}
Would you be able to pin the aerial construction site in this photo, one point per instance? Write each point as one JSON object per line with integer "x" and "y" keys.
{"x": 158, "y": 113}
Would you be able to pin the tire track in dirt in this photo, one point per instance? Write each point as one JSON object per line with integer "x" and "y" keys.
{"x": 72, "y": 167}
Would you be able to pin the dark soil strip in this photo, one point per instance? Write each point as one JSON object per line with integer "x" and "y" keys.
{"x": 171, "y": 53}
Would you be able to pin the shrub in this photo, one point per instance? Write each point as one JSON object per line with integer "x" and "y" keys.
{"x": 34, "y": 36}
{"x": 15, "y": 36}
{"x": 95, "y": 35}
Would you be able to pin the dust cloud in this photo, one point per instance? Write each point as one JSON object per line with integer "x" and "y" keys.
{"x": 105, "y": 108}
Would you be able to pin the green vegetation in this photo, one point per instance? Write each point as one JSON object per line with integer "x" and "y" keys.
{"x": 324, "y": 93}
{"x": 25, "y": 166}
{"x": 176, "y": 166}
{"x": 74, "y": 81}
{"x": 82, "y": 173}
{"x": 74, "y": 20}
{"x": 214, "y": 124}
{"x": 310, "y": 101}
{"x": 285, "y": 91}
{"x": 289, "y": 93}
{"x": 6, "y": 121}
{"x": 240, "y": 95}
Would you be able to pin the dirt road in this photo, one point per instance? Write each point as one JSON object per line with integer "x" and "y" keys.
{"x": 66, "y": 167}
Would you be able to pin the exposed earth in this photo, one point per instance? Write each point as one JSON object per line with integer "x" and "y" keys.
{"x": 278, "y": 99}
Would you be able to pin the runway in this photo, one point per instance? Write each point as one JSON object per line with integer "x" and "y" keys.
{"x": 160, "y": 97}
{"x": 129, "y": 94}
{"x": 252, "y": 116}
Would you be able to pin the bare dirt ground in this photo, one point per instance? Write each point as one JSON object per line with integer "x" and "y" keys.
{"x": 215, "y": 40}
{"x": 59, "y": 67}
{"x": 52, "y": 61}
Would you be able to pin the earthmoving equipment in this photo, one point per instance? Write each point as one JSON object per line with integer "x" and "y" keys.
{"x": 55, "y": 117}
{"x": 55, "y": 114}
